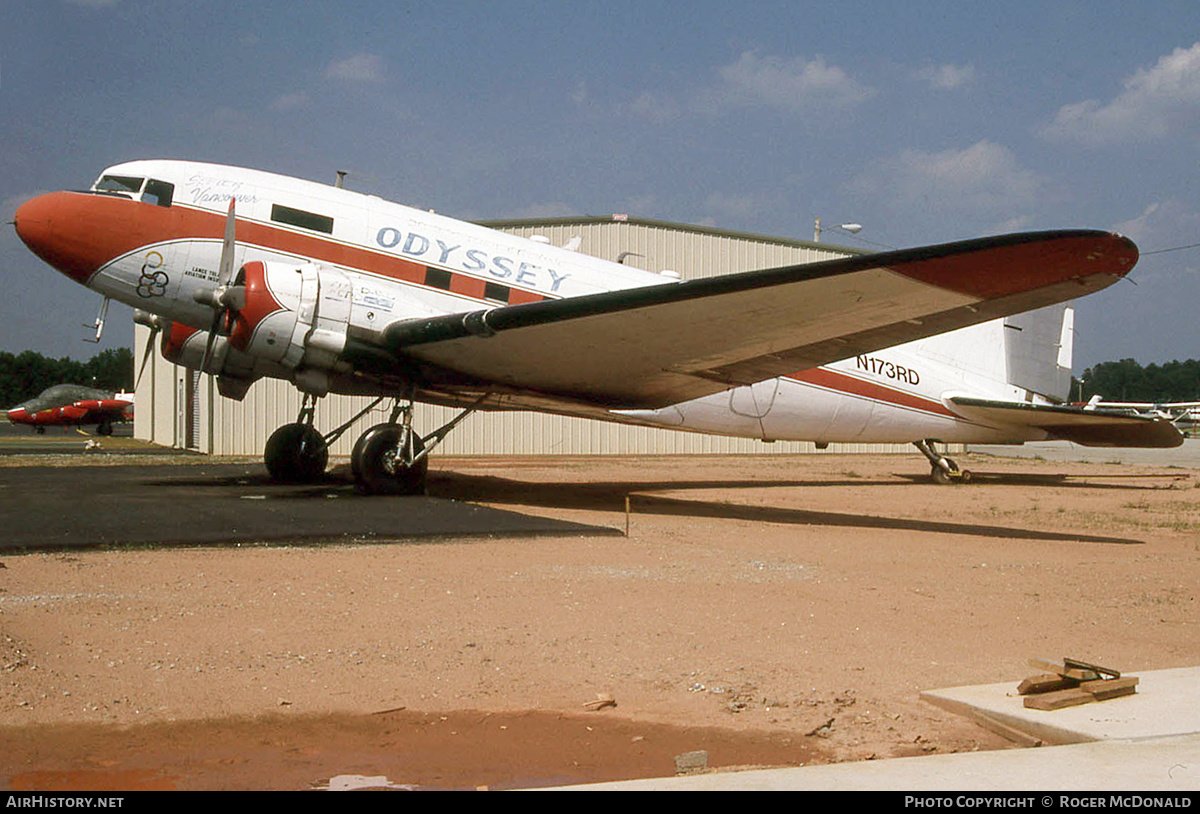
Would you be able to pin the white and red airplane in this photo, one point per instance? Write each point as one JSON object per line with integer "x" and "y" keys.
{"x": 337, "y": 291}
{"x": 73, "y": 405}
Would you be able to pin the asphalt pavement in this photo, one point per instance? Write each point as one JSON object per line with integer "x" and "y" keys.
{"x": 74, "y": 506}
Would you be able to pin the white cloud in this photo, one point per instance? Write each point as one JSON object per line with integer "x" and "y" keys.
{"x": 1165, "y": 232}
{"x": 947, "y": 77}
{"x": 1162, "y": 224}
{"x": 1153, "y": 104}
{"x": 985, "y": 177}
{"x": 789, "y": 84}
{"x": 289, "y": 101}
{"x": 580, "y": 95}
{"x": 358, "y": 68}
{"x": 654, "y": 107}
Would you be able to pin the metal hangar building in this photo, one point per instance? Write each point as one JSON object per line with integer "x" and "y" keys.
{"x": 180, "y": 408}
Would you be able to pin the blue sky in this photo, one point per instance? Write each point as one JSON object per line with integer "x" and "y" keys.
{"x": 925, "y": 122}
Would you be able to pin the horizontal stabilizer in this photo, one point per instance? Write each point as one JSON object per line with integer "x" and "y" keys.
{"x": 1089, "y": 428}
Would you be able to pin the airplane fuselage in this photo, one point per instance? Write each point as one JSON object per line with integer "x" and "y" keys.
{"x": 149, "y": 234}
{"x": 73, "y": 405}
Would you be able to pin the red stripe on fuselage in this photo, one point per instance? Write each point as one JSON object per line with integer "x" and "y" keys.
{"x": 79, "y": 233}
{"x": 853, "y": 386}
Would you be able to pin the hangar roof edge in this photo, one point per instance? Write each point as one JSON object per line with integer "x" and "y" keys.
{"x": 590, "y": 220}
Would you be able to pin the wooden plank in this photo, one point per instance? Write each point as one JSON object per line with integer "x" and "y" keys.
{"x": 1045, "y": 682}
{"x": 1104, "y": 689}
{"x": 1051, "y": 666}
{"x": 1103, "y": 672}
{"x": 1059, "y": 699}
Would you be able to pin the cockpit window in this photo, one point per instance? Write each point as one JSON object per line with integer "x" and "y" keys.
{"x": 158, "y": 193}
{"x": 119, "y": 183}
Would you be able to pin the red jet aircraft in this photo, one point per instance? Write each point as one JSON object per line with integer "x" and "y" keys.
{"x": 73, "y": 405}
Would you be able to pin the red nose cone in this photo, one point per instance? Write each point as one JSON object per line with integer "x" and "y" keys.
{"x": 46, "y": 224}
{"x": 78, "y": 233}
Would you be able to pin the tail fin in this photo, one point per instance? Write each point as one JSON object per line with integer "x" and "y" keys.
{"x": 1031, "y": 351}
{"x": 1038, "y": 347}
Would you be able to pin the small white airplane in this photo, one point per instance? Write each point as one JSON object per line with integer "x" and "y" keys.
{"x": 1179, "y": 413}
{"x": 249, "y": 274}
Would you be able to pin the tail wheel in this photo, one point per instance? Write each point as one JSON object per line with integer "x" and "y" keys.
{"x": 296, "y": 453}
{"x": 379, "y": 461}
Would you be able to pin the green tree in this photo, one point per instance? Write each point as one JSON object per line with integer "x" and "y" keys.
{"x": 25, "y": 374}
{"x": 1127, "y": 380}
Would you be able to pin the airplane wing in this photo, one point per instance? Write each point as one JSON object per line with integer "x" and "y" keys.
{"x": 658, "y": 345}
{"x": 1089, "y": 427}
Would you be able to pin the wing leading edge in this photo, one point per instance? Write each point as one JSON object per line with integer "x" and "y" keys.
{"x": 653, "y": 346}
{"x": 1088, "y": 427}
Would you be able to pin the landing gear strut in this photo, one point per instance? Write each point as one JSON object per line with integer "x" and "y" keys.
{"x": 391, "y": 459}
{"x": 943, "y": 470}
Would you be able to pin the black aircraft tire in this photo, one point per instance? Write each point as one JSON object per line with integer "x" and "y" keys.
{"x": 296, "y": 453}
{"x": 374, "y": 465}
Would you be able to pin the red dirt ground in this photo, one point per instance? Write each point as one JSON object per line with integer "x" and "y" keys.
{"x": 771, "y": 611}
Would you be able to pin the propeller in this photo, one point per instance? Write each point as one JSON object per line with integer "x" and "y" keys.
{"x": 227, "y": 297}
{"x": 156, "y": 324}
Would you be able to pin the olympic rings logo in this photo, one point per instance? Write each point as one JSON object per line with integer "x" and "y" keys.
{"x": 153, "y": 281}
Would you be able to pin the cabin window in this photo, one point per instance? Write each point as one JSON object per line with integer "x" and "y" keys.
{"x": 158, "y": 193}
{"x": 305, "y": 220}
{"x": 495, "y": 291}
{"x": 123, "y": 184}
{"x": 438, "y": 278}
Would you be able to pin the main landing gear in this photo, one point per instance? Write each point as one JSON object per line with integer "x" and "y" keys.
{"x": 942, "y": 469}
{"x": 388, "y": 459}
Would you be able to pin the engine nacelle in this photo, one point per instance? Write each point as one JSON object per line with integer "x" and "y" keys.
{"x": 235, "y": 371}
{"x": 296, "y": 316}
{"x": 290, "y": 322}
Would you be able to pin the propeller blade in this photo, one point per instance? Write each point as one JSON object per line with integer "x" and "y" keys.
{"x": 225, "y": 270}
{"x": 212, "y": 340}
{"x": 145, "y": 358}
{"x": 155, "y": 323}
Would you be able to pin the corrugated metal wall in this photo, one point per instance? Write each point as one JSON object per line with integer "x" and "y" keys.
{"x": 228, "y": 427}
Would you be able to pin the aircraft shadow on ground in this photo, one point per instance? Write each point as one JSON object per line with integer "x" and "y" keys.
{"x": 611, "y": 497}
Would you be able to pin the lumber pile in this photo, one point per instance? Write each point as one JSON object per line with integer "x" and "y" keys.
{"x": 1070, "y": 682}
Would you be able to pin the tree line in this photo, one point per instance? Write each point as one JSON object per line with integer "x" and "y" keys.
{"x": 24, "y": 375}
{"x": 1127, "y": 380}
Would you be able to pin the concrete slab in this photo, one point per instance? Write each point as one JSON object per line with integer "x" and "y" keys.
{"x": 1165, "y": 704}
{"x": 1162, "y": 764}
{"x": 1186, "y": 456}
{"x": 1144, "y": 742}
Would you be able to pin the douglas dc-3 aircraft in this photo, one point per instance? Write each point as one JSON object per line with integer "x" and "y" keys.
{"x": 249, "y": 274}
{"x": 73, "y": 405}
